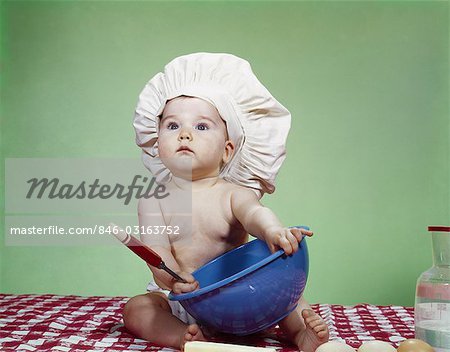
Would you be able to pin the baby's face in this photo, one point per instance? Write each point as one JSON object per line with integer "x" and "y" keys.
{"x": 192, "y": 139}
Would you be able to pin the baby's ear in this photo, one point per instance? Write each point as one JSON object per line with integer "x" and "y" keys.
{"x": 228, "y": 152}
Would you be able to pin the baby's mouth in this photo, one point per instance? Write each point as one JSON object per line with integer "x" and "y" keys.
{"x": 184, "y": 149}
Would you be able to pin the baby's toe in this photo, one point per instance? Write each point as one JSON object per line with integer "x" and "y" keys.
{"x": 309, "y": 315}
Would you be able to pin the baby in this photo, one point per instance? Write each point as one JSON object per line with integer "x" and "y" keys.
{"x": 215, "y": 136}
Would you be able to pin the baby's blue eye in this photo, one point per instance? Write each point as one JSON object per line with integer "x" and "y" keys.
{"x": 202, "y": 126}
{"x": 172, "y": 126}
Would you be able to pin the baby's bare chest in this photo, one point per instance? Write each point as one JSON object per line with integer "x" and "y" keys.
{"x": 205, "y": 216}
{"x": 207, "y": 230}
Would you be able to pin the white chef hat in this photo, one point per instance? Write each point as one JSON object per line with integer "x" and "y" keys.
{"x": 256, "y": 122}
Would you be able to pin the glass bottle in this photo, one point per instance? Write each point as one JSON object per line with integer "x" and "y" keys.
{"x": 432, "y": 309}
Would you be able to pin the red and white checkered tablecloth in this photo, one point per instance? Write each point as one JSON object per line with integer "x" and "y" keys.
{"x": 73, "y": 323}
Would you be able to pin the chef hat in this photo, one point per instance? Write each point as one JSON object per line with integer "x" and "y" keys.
{"x": 256, "y": 122}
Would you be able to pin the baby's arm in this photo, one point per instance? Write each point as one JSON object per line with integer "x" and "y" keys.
{"x": 263, "y": 223}
{"x": 150, "y": 216}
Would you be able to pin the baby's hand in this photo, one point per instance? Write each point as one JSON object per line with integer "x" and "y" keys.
{"x": 191, "y": 285}
{"x": 285, "y": 238}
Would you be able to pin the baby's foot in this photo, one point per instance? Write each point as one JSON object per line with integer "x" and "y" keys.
{"x": 315, "y": 334}
{"x": 192, "y": 333}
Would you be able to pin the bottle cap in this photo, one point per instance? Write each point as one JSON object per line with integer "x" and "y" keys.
{"x": 439, "y": 228}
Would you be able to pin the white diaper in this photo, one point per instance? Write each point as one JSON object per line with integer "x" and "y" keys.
{"x": 175, "y": 306}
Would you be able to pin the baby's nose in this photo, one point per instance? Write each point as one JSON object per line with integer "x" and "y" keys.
{"x": 185, "y": 135}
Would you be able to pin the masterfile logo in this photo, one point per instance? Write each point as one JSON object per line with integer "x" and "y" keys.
{"x": 72, "y": 201}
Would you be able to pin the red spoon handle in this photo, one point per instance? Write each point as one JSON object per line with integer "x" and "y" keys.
{"x": 149, "y": 256}
{"x": 144, "y": 252}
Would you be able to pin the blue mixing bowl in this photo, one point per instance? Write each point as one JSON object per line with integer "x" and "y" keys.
{"x": 247, "y": 289}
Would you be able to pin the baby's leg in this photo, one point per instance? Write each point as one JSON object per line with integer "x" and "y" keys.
{"x": 149, "y": 317}
{"x": 305, "y": 328}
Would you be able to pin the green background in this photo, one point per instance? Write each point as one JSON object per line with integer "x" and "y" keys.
{"x": 368, "y": 152}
